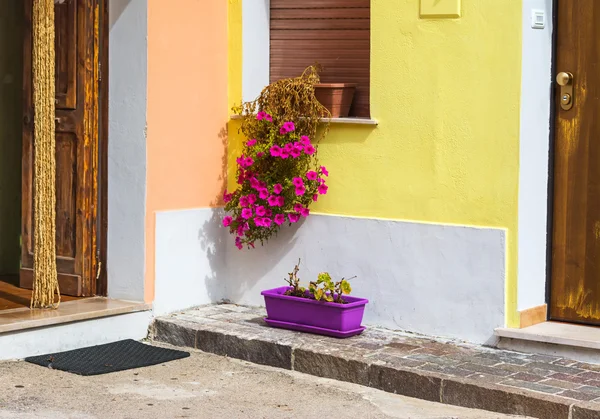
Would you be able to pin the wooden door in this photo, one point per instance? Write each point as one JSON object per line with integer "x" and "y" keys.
{"x": 76, "y": 66}
{"x": 575, "y": 281}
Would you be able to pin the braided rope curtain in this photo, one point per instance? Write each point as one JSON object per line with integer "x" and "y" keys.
{"x": 45, "y": 281}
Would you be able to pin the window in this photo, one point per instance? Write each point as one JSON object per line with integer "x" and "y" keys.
{"x": 333, "y": 33}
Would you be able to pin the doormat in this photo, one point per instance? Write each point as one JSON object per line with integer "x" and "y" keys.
{"x": 111, "y": 357}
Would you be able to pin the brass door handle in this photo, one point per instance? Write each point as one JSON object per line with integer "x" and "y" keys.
{"x": 565, "y": 81}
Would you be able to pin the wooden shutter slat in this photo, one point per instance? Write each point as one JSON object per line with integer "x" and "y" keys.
{"x": 362, "y": 13}
{"x": 315, "y": 4}
{"x": 332, "y": 33}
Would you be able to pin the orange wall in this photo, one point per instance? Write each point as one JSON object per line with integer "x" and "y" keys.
{"x": 187, "y": 110}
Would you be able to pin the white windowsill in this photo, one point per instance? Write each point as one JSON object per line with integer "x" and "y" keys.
{"x": 349, "y": 121}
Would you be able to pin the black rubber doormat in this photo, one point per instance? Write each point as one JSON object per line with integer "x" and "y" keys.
{"x": 111, "y": 357}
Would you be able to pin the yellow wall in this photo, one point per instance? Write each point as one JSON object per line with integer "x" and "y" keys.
{"x": 446, "y": 93}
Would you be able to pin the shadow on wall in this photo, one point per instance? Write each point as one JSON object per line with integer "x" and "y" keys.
{"x": 232, "y": 272}
{"x": 115, "y": 10}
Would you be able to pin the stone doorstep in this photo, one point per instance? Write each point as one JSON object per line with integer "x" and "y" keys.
{"x": 407, "y": 365}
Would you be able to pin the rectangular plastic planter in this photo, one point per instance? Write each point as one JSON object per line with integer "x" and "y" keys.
{"x": 321, "y": 317}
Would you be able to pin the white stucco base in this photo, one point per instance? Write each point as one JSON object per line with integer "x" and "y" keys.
{"x": 68, "y": 336}
{"x": 433, "y": 279}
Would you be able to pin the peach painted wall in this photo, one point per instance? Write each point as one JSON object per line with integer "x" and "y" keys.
{"x": 187, "y": 110}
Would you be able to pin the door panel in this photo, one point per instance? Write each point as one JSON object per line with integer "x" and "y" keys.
{"x": 575, "y": 282}
{"x": 76, "y": 148}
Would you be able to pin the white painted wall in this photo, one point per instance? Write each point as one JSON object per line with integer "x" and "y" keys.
{"x": 127, "y": 148}
{"x": 433, "y": 279}
{"x": 536, "y": 82}
{"x": 255, "y": 44}
{"x": 68, "y": 336}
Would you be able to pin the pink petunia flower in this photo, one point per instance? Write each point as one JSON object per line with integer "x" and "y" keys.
{"x": 300, "y": 191}
{"x": 275, "y": 151}
{"x": 260, "y": 154}
{"x": 261, "y": 115}
{"x": 315, "y": 197}
{"x": 298, "y": 207}
{"x": 263, "y": 193}
{"x": 279, "y": 219}
{"x": 323, "y": 189}
{"x": 238, "y": 243}
{"x": 304, "y": 212}
{"x": 246, "y": 213}
{"x": 293, "y": 218}
{"x": 254, "y": 183}
{"x": 251, "y": 199}
{"x": 277, "y": 188}
{"x": 289, "y": 126}
{"x": 305, "y": 140}
{"x": 246, "y": 227}
{"x": 280, "y": 201}
{"x": 251, "y": 142}
{"x": 268, "y": 118}
{"x": 324, "y": 171}
{"x": 227, "y": 221}
{"x": 282, "y": 131}
{"x": 267, "y": 222}
{"x": 260, "y": 211}
{"x": 309, "y": 149}
{"x": 269, "y": 212}
{"x": 249, "y": 161}
{"x": 312, "y": 175}
{"x": 258, "y": 221}
{"x": 273, "y": 200}
{"x": 284, "y": 154}
{"x": 298, "y": 181}
{"x": 244, "y": 202}
{"x": 262, "y": 184}
{"x": 227, "y": 196}
{"x": 295, "y": 153}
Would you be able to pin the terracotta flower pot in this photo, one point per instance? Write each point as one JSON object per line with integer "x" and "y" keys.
{"x": 336, "y": 97}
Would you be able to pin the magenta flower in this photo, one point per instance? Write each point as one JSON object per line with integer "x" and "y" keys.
{"x": 315, "y": 197}
{"x": 304, "y": 212}
{"x": 289, "y": 126}
{"x": 268, "y": 118}
{"x": 227, "y": 196}
{"x": 312, "y": 175}
{"x": 282, "y": 131}
{"x": 324, "y": 171}
{"x": 260, "y": 211}
{"x": 249, "y": 161}
{"x": 293, "y": 218}
{"x": 238, "y": 243}
{"x": 309, "y": 149}
{"x": 320, "y": 180}
{"x": 273, "y": 200}
{"x": 288, "y": 147}
{"x": 280, "y": 201}
{"x": 254, "y": 183}
{"x": 295, "y": 153}
{"x": 246, "y": 227}
{"x": 279, "y": 219}
{"x": 262, "y": 184}
{"x": 227, "y": 221}
{"x": 260, "y": 154}
{"x": 284, "y": 154}
{"x": 250, "y": 143}
{"x": 300, "y": 191}
{"x": 263, "y": 193}
{"x": 277, "y": 188}
{"x": 267, "y": 222}
{"x": 261, "y": 115}
{"x": 258, "y": 222}
{"x": 269, "y": 212}
{"x": 246, "y": 213}
{"x": 251, "y": 199}
{"x": 322, "y": 189}
{"x": 298, "y": 207}
{"x": 305, "y": 140}
{"x": 297, "y": 181}
{"x": 275, "y": 151}
{"x": 244, "y": 201}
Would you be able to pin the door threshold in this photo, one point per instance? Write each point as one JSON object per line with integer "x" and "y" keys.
{"x": 71, "y": 311}
{"x": 568, "y": 340}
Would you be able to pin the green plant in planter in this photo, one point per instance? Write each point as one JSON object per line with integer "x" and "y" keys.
{"x": 323, "y": 289}
{"x": 278, "y": 172}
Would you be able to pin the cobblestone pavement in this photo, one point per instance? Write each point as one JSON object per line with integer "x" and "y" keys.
{"x": 369, "y": 359}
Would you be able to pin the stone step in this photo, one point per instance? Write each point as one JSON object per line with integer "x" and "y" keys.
{"x": 448, "y": 372}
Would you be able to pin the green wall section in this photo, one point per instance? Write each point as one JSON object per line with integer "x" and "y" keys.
{"x": 11, "y": 74}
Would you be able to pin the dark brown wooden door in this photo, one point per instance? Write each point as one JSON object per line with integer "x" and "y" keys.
{"x": 575, "y": 282}
{"x": 76, "y": 46}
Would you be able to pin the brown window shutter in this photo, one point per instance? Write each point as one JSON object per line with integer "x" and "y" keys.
{"x": 333, "y": 33}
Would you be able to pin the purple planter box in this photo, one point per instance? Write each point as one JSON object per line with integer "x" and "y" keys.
{"x": 320, "y": 317}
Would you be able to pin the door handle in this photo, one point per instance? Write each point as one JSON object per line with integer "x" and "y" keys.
{"x": 565, "y": 81}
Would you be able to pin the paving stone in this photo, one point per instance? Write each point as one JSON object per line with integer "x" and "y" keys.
{"x": 331, "y": 366}
{"x": 523, "y": 376}
{"x": 567, "y": 377}
{"x": 595, "y": 383}
{"x": 554, "y": 367}
{"x": 450, "y": 371}
{"x": 407, "y": 383}
{"x": 544, "y": 358}
{"x": 584, "y": 412}
{"x": 590, "y": 375}
{"x": 590, "y": 390}
{"x": 503, "y": 400}
{"x": 486, "y": 378}
{"x": 566, "y": 363}
{"x": 525, "y": 368}
{"x": 560, "y": 384}
{"x": 483, "y": 369}
{"x": 531, "y": 386}
{"x": 503, "y": 357}
{"x": 588, "y": 367}
{"x": 573, "y": 394}
{"x": 398, "y": 362}
{"x": 177, "y": 334}
{"x": 432, "y": 359}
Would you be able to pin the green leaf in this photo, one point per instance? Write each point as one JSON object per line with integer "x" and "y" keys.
{"x": 345, "y": 287}
{"x": 329, "y": 298}
{"x": 323, "y": 277}
{"x": 319, "y": 294}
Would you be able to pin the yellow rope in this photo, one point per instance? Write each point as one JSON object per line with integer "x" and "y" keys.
{"x": 45, "y": 281}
